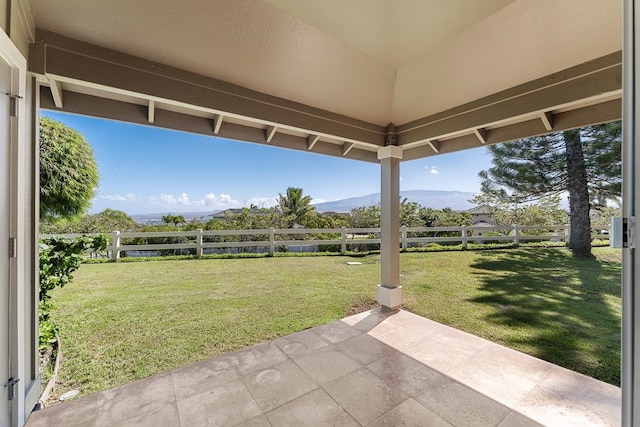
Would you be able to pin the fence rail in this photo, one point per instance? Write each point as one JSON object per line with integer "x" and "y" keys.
{"x": 272, "y": 240}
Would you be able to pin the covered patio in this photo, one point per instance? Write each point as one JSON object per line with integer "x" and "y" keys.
{"x": 376, "y": 368}
{"x": 374, "y": 81}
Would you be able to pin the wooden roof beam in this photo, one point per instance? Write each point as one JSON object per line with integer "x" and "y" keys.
{"x": 312, "y": 140}
{"x": 270, "y": 132}
{"x": 547, "y": 120}
{"x": 481, "y": 134}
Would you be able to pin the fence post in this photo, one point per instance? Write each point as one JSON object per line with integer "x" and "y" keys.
{"x": 404, "y": 237}
{"x": 465, "y": 237}
{"x": 567, "y": 234}
{"x": 516, "y": 235}
{"x": 115, "y": 245}
{"x": 199, "y": 243}
{"x": 343, "y": 240}
{"x": 272, "y": 241}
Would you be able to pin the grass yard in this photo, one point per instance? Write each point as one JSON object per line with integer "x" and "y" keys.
{"x": 125, "y": 321}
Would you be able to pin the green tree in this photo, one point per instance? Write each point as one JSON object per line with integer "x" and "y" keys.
{"x": 68, "y": 171}
{"x": 175, "y": 220}
{"x": 365, "y": 217}
{"x": 294, "y": 206}
{"x": 104, "y": 222}
{"x": 584, "y": 163}
{"x": 544, "y": 211}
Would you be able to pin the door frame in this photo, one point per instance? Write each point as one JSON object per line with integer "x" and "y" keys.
{"x": 18, "y": 280}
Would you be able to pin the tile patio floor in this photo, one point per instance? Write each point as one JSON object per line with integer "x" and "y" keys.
{"x": 371, "y": 369}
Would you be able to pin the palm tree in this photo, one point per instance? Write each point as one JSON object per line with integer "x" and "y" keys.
{"x": 294, "y": 206}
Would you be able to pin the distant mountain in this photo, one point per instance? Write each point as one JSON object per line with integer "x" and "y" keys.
{"x": 456, "y": 200}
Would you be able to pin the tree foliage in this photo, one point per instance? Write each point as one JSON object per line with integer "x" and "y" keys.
{"x": 544, "y": 211}
{"x": 104, "y": 222}
{"x": 584, "y": 163}
{"x": 295, "y": 206}
{"x": 68, "y": 171}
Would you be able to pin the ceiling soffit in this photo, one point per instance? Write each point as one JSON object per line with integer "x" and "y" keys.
{"x": 88, "y": 79}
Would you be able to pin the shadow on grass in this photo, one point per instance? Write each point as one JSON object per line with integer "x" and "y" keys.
{"x": 558, "y": 308}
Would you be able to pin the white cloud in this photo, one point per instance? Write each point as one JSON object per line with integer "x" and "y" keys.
{"x": 223, "y": 201}
{"x": 317, "y": 201}
{"x": 261, "y": 202}
{"x": 130, "y": 197}
{"x": 432, "y": 170}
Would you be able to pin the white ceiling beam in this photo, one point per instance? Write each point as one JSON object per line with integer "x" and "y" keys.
{"x": 435, "y": 145}
{"x": 270, "y": 132}
{"x": 547, "y": 120}
{"x": 481, "y": 134}
{"x": 151, "y": 112}
{"x": 56, "y": 91}
{"x": 347, "y": 147}
{"x": 311, "y": 141}
{"x": 217, "y": 123}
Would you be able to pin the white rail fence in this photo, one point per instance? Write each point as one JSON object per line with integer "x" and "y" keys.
{"x": 200, "y": 242}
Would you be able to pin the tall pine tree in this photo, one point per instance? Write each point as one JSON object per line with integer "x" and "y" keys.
{"x": 584, "y": 163}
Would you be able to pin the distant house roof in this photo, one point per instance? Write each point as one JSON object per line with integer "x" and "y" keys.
{"x": 480, "y": 210}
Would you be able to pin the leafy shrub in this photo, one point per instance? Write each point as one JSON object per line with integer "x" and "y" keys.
{"x": 59, "y": 258}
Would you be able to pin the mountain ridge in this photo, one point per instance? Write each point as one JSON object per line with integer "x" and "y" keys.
{"x": 436, "y": 199}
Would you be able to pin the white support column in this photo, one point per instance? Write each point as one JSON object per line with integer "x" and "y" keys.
{"x": 389, "y": 290}
{"x": 630, "y": 379}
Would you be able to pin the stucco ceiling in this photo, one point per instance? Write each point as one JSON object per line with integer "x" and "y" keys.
{"x": 376, "y": 60}
{"x": 393, "y": 32}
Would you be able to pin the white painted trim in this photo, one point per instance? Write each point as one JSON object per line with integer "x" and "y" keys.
{"x": 346, "y": 147}
{"x": 270, "y": 132}
{"x": 390, "y": 151}
{"x": 151, "y": 110}
{"x": 217, "y": 123}
{"x": 311, "y": 141}
{"x": 390, "y": 297}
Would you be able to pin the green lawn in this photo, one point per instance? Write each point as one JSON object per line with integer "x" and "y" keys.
{"x": 125, "y": 321}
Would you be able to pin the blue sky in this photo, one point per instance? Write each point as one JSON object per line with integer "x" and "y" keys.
{"x": 149, "y": 170}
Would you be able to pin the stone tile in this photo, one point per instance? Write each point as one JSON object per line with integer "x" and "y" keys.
{"x": 596, "y": 396}
{"x": 383, "y": 328}
{"x": 401, "y": 338}
{"x": 301, "y": 343}
{"x": 437, "y": 355}
{"x": 257, "y": 358}
{"x": 410, "y": 413}
{"x": 459, "y": 341}
{"x": 279, "y": 384}
{"x": 366, "y": 349}
{"x": 404, "y": 373}
{"x": 336, "y": 332}
{"x": 259, "y": 421}
{"x": 359, "y": 317}
{"x": 77, "y": 412}
{"x": 314, "y": 409}
{"x": 166, "y": 415}
{"x": 461, "y": 406}
{"x": 554, "y": 407}
{"x": 367, "y": 320}
{"x": 502, "y": 374}
{"x": 327, "y": 364}
{"x": 515, "y": 419}
{"x": 131, "y": 400}
{"x": 203, "y": 376}
{"x": 227, "y": 405}
{"x": 365, "y": 396}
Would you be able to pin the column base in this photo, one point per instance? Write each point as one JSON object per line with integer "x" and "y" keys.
{"x": 390, "y": 298}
